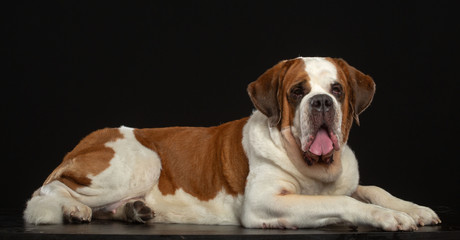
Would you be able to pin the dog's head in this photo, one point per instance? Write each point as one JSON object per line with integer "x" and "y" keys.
{"x": 313, "y": 101}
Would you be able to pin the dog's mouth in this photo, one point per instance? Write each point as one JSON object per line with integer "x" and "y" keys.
{"x": 320, "y": 146}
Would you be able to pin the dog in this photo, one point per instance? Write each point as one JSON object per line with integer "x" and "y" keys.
{"x": 288, "y": 165}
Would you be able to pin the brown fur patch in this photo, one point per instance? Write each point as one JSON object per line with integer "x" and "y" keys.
{"x": 347, "y": 114}
{"x": 295, "y": 75}
{"x": 90, "y": 156}
{"x": 269, "y": 93}
{"x": 359, "y": 89}
{"x": 200, "y": 161}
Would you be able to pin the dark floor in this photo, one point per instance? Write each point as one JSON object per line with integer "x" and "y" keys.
{"x": 12, "y": 227}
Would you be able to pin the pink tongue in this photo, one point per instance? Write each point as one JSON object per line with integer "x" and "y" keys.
{"x": 322, "y": 144}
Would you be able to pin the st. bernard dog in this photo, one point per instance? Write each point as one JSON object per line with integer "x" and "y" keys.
{"x": 286, "y": 166}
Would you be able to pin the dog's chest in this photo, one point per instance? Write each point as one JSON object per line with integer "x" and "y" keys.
{"x": 319, "y": 188}
{"x": 345, "y": 184}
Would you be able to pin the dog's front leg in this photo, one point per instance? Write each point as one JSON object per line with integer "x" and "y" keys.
{"x": 277, "y": 205}
{"x": 375, "y": 195}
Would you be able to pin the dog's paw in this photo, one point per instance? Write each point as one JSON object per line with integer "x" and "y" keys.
{"x": 77, "y": 213}
{"x": 138, "y": 212}
{"x": 390, "y": 220}
{"x": 423, "y": 215}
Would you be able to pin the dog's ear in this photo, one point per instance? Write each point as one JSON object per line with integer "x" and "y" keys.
{"x": 264, "y": 92}
{"x": 362, "y": 85}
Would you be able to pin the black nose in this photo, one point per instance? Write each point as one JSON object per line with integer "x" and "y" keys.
{"x": 321, "y": 103}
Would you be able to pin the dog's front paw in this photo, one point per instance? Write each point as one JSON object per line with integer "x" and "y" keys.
{"x": 390, "y": 220}
{"x": 423, "y": 215}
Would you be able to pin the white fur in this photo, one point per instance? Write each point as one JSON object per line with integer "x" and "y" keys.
{"x": 185, "y": 208}
{"x": 132, "y": 173}
{"x": 43, "y": 210}
{"x": 272, "y": 170}
{"x": 322, "y": 73}
{"x": 290, "y": 199}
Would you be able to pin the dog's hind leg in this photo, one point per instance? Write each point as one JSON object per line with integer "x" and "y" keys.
{"x": 54, "y": 204}
{"x": 107, "y": 167}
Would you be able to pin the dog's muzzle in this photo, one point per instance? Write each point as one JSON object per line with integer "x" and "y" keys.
{"x": 322, "y": 140}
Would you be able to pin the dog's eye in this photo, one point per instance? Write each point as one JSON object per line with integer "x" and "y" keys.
{"x": 336, "y": 90}
{"x": 297, "y": 93}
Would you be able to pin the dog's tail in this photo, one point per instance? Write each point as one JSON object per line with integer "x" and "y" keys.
{"x": 43, "y": 209}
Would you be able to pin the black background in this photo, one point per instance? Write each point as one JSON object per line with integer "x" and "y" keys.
{"x": 73, "y": 67}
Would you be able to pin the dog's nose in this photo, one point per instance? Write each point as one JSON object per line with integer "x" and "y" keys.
{"x": 321, "y": 103}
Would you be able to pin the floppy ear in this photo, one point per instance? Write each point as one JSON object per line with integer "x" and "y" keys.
{"x": 264, "y": 92}
{"x": 363, "y": 88}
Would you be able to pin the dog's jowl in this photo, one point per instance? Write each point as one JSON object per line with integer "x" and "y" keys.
{"x": 287, "y": 165}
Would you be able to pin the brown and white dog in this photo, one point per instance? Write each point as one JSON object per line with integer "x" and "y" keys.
{"x": 286, "y": 166}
